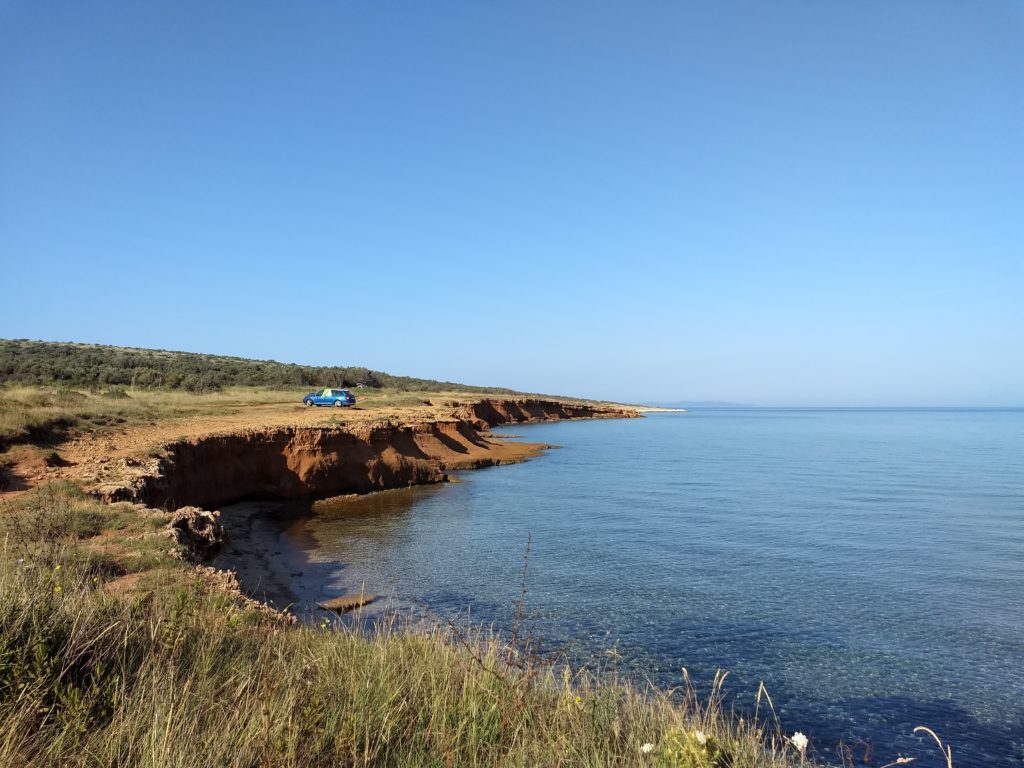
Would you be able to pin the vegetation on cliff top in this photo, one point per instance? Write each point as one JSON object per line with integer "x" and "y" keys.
{"x": 96, "y": 366}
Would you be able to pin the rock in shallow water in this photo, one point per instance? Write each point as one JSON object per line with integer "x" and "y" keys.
{"x": 346, "y": 603}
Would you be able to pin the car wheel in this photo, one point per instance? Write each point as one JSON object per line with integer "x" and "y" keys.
{"x": 309, "y": 403}
{"x": 338, "y": 404}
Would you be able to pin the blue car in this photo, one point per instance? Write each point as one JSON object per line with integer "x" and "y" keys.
{"x": 339, "y": 398}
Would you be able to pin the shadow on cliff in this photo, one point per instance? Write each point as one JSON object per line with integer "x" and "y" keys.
{"x": 289, "y": 464}
{"x": 270, "y": 543}
{"x": 269, "y": 566}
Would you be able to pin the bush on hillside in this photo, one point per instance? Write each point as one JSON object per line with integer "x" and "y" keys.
{"x": 98, "y": 367}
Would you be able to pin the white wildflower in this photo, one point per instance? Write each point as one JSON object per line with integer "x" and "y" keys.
{"x": 799, "y": 741}
{"x": 647, "y": 748}
{"x": 701, "y": 737}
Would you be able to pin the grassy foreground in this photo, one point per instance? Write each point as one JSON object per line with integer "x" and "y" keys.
{"x": 113, "y": 653}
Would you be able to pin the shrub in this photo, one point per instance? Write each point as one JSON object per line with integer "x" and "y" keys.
{"x": 100, "y": 367}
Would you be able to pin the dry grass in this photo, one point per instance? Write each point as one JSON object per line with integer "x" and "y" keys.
{"x": 177, "y": 673}
{"x": 184, "y": 678}
{"x": 45, "y": 414}
{"x": 114, "y": 653}
{"x": 41, "y": 414}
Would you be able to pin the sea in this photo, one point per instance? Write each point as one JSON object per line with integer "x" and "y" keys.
{"x": 865, "y": 565}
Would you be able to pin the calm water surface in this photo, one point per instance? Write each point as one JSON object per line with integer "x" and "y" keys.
{"x": 867, "y": 565}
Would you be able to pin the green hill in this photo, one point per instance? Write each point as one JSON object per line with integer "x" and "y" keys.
{"x": 98, "y": 366}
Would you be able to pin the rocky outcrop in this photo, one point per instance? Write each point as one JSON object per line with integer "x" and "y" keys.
{"x": 310, "y": 462}
{"x": 198, "y": 532}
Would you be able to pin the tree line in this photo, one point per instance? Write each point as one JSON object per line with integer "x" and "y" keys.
{"x": 95, "y": 366}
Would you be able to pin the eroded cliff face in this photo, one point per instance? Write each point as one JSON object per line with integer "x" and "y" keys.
{"x": 302, "y": 462}
{"x": 308, "y": 462}
{"x": 493, "y": 411}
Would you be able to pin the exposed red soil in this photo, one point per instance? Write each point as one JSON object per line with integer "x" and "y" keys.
{"x": 289, "y": 452}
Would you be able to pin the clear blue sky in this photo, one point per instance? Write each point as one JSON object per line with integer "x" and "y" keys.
{"x": 778, "y": 203}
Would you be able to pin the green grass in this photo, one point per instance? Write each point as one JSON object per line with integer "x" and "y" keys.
{"x": 178, "y": 673}
{"x": 57, "y": 522}
{"x": 87, "y": 679}
{"x": 95, "y": 366}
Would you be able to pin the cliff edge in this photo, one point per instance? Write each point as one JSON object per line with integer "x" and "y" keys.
{"x": 204, "y": 466}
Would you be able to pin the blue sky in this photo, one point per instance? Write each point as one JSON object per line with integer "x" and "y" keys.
{"x": 780, "y": 203}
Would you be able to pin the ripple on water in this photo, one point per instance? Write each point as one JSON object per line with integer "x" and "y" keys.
{"x": 867, "y": 565}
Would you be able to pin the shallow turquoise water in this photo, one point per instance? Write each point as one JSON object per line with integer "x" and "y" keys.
{"x": 867, "y": 565}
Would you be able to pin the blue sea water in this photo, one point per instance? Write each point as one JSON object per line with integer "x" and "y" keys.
{"x": 867, "y": 565}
